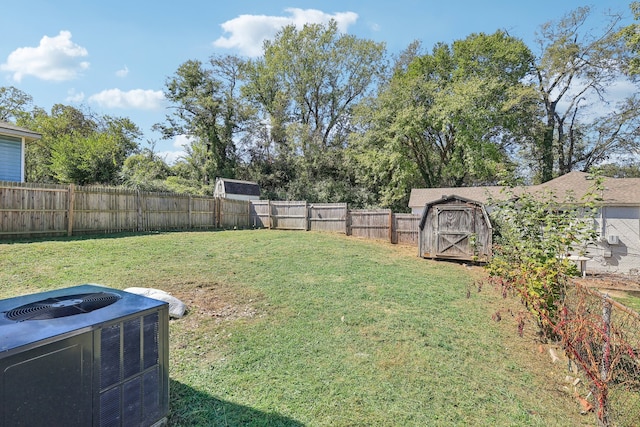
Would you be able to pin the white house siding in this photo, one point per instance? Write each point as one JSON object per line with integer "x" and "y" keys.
{"x": 621, "y": 224}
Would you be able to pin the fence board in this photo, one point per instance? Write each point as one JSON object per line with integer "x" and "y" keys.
{"x": 291, "y": 215}
{"x": 103, "y": 210}
{"x": 203, "y": 213}
{"x": 260, "y": 213}
{"x": 329, "y": 217}
{"x": 406, "y": 228}
{"x": 371, "y": 224}
{"x": 30, "y": 211}
{"x": 164, "y": 211}
{"x": 234, "y": 213}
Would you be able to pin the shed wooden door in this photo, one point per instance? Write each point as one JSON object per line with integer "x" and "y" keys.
{"x": 454, "y": 226}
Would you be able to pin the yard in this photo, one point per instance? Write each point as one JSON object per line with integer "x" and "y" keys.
{"x": 303, "y": 328}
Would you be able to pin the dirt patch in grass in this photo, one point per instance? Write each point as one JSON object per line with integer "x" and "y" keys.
{"x": 213, "y": 300}
{"x": 202, "y": 332}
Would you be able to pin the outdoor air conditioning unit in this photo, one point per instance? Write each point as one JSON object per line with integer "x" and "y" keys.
{"x": 84, "y": 356}
{"x": 613, "y": 239}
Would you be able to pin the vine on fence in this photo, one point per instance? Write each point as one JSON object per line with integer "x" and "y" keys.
{"x": 601, "y": 337}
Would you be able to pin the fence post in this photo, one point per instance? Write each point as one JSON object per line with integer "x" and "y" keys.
{"x": 269, "y": 214}
{"x": 190, "y": 212}
{"x": 214, "y": 213}
{"x": 218, "y": 211}
{"x": 71, "y": 203}
{"x": 139, "y": 208}
{"x": 307, "y": 221}
{"x": 390, "y": 226}
{"x": 605, "y": 364}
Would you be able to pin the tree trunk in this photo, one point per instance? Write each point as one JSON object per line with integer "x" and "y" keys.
{"x": 546, "y": 173}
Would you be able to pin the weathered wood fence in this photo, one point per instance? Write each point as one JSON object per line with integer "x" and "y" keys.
{"x": 39, "y": 210}
{"x": 380, "y": 224}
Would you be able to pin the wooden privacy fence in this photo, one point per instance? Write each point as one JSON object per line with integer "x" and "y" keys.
{"x": 332, "y": 217}
{"x": 39, "y": 210}
{"x": 28, "y": 210}
{"x": 380, "y": 224}
{"x": 233, "y": 213}
{"x": 296, "y": 215}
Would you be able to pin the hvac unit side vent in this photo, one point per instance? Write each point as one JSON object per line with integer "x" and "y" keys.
{"x": 129, "y": 378}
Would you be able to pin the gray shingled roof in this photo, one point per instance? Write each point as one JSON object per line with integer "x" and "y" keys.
{"x": 13, "y": 130}
{"x": 235, "y": 186}
{"x": 617, "y": 191}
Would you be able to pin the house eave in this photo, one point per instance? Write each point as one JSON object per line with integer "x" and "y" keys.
{"x": 16, "y": 131}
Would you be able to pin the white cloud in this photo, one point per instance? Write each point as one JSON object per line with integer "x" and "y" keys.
{"x": 179, "y": 142}
{"x": 248, "y": 32}
{"x": 591, "y": 105}
{"x": 56, "y": 58}
{"x": 171, "y": 157}
{"x": 139, "y": 99}
{"x": 622, "y": 88}
{"x": 123, "y": 72}
{"x": 74, "y": 97}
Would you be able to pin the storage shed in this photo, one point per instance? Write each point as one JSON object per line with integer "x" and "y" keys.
{"x": 455, "y": 228}
{"x": 236, "y": 189}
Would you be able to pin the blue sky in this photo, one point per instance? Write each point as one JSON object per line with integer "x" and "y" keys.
{"x": 115, "y": 56}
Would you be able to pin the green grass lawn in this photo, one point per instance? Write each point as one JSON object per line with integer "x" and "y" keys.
{"x": 316, "y": 329}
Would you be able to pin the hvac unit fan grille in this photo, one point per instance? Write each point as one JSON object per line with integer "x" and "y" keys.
{"x": 68, "y": 305}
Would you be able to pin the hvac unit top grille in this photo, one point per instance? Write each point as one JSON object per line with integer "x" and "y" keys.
{"x": 68, "y": 305}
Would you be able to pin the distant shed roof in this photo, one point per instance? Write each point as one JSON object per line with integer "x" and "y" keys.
{"x": 235, "y": 186}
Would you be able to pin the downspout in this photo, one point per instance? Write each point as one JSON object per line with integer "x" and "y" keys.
{"x": 603, "y": 227}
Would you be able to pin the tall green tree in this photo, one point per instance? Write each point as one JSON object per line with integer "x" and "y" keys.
{"x": 14, "y": 103}
{"x": 578, "y": 62}
{"x": 207, "y": 108}
{"x": 145, "y": 171}
{"x": 61, "y": 121}
{"x": 620, "y": 170}
{"x": 631, "y": 36}
{"x": 446, "y": 118}
{"x": 305, "y": 88}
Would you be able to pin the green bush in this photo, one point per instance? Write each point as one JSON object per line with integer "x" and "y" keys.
{"x": 535, "y": 234}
